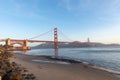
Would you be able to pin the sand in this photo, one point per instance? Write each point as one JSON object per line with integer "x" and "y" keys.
{"x": 55, "y": 71}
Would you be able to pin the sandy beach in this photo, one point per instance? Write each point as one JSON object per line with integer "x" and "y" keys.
{"x": 56, "y": 71}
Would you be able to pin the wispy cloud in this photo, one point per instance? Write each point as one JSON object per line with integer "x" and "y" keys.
{"x": 109, "y": 11}
{"x": 106, "y": 7}
{"x": 75, "y": 4}
{"x": 70, "y": 5}
{"x": 21, "y": 8}
{"x": 66, "y": 4}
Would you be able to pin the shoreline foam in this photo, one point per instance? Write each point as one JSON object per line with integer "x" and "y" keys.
{"x": 70, "y": 60}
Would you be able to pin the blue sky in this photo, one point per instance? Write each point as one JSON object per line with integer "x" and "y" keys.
{"x": 78, "y": 19}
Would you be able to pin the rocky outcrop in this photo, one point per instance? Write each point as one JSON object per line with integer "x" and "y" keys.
{"x": 11, "y": 70}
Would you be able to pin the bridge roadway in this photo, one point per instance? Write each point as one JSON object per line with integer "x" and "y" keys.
{"x": 19, "y": 40}
{"x": 73, "y": 42}
{"x": 9, "y": 43}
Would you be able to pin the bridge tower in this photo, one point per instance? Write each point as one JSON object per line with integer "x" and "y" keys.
{"x": 55, "y": 38}
{"x": 25, "y": 45}
{"x": 8, "y": 42}
{"x": 56, "y": 41}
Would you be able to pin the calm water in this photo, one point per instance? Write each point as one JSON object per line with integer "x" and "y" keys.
{"x": 104, "y": 57}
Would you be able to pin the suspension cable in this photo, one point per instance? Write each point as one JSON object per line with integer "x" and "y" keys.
{"x": 65, "y": 36}
{"x": 41, "y": 34}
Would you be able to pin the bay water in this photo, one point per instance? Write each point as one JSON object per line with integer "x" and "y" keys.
{"x": 103, "y": 57}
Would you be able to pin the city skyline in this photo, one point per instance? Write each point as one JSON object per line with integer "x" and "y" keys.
{"x": 77, "y": 19}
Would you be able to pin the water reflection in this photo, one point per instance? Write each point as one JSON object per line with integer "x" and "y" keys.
{"x": 56, "y": 52}
{"x": 24, "y": 51}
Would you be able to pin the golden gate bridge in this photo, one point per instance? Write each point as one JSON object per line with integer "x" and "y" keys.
{"x": 24, "y": 43}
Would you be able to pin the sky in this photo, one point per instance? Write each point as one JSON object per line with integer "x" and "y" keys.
{"x": 76, "y": 19}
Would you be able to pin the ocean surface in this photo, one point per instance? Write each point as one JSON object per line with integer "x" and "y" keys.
{"x": 103, "y": 57}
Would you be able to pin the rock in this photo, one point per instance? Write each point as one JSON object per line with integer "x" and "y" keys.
{"x": 11, "y": 70}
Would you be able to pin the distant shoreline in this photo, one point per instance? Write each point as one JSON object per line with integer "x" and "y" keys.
{"x": 51, "y": 46}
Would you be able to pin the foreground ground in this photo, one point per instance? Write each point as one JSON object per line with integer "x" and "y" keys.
{"x": 55, "y": 71}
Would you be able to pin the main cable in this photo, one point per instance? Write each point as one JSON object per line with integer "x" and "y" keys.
{"x": 41, "y": 34}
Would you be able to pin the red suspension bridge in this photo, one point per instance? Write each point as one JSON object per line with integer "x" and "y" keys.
{"x": 24, "y": 43}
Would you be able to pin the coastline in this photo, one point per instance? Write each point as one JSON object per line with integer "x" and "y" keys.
{"x": 57, "y": 71}
{"x": 83, "y": 63}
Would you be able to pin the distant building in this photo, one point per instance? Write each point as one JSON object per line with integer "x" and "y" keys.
{"x": 88, "y": 40}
